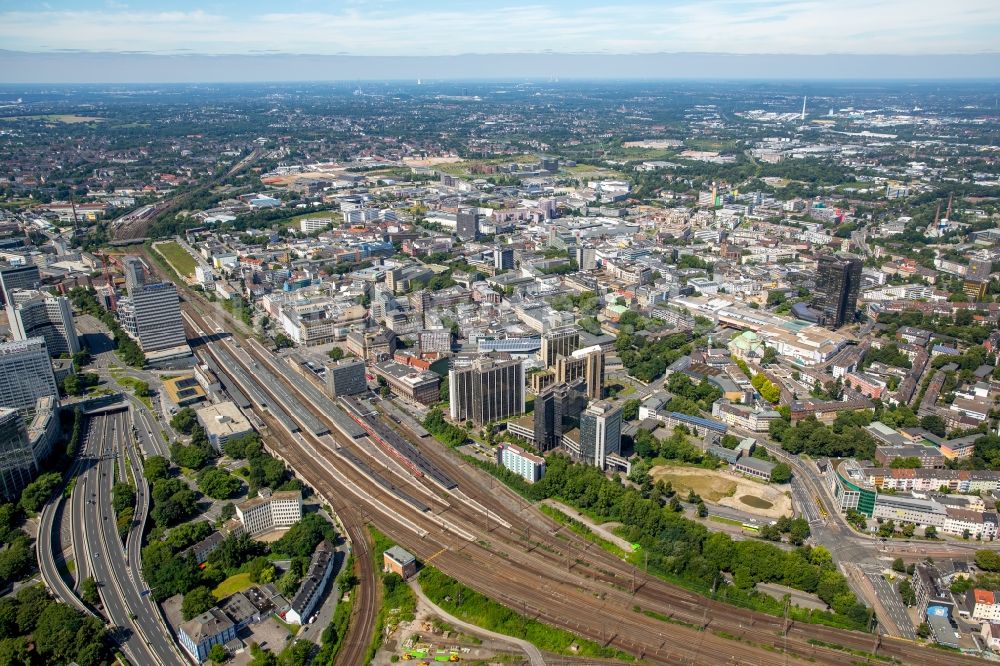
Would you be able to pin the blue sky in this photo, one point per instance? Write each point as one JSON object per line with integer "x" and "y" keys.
{"x": 450, "y": 27}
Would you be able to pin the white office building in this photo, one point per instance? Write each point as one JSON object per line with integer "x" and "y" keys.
{"x": 600, "y": 432}
{"x": 526, "y": 465}
{"x": 270, "y": 511}
{"x": 152, "y": 315}
{"x": 33, "y": 314}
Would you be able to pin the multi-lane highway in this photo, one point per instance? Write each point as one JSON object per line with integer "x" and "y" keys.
{"x": 126, "y": 603}
{"x": 516, "y": 555}
{"x": 49, "y": 548}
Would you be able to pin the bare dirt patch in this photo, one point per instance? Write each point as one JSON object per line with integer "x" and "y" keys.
{"x": 727, "y": 489}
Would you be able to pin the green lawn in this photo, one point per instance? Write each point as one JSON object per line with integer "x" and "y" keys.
{"x": 178, "y": 257}
{"x": 136, "y": 385}
{"x": 232, "y": 585}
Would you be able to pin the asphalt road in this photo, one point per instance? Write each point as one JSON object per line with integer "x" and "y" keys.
{"x": 139, "y": 628}
{"x": 890, "y": 600}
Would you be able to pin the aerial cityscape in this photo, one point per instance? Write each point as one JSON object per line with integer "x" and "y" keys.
{"x": 347, "y": 354}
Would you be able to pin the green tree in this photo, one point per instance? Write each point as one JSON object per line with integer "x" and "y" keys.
{"x": 930, "y": 532}
{"x": 302, "y": 538}
{"x": 770, "y": 356}
{"x": 988, "y": 560}
{"x": 155, "y": 467}
{"x": 37, "y": 493}
{"x": 261, "y": 570}
{"x": 781, "y": 473}
{"x": 218, "y": 654}
{"x": 630, "y": 409}
{"x": 191, "y": 456}
{"x": 122, "y": 496}
{"x": 196, "y": 602}
{"x": 934, "y": 424}
{"x": 173, "y": 502}
{"x": 907, "y": 593}
{"x": 217, "y": 483}
{"x": 17, "y": 559}
{"x": 88, "y": 590}
{"x": 898, "y": 565}
{"x": 184, "y": 420}
{"x": 64, "y": 634}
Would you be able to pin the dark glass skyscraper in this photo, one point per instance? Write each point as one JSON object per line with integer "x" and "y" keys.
{"x": 467, "y": 224}
{"x": 838, "y": 279}
{"x": 488, "y": 390}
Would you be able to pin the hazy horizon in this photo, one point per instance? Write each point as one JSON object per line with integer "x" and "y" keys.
{"x": 80, "y": 67}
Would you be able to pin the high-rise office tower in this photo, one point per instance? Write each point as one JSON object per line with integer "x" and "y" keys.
{"x": 17, "y": 460}
{"x": 135, "y": 272}
{"x": 547, "y": 423}
{"x": 152, "y": 315}
{"x": 557, "y": 409}
{"x": 25, "y": 375}
{"x": 569, "y": 369}
{"x": 467, "y": 224}
{"x": 487, "y": 390}
{"x": 838, "y": 279}
{"x": 600, "y": 432}
{"x": 32, "y": 314}
{"x": 503, "y": 258}
{"x": 559, "y": 342}
{"x": 593, "y": 370}
{"x": 586, "y": 257}
{"x": 23, "y": 276}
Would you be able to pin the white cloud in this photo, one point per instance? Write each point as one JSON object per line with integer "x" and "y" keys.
{"x": 731, "y": 26}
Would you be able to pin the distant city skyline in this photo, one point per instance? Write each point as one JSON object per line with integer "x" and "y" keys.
{"x": 454, "y": 27}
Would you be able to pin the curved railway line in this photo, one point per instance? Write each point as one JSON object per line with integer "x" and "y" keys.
{"x": 530, "y": 563}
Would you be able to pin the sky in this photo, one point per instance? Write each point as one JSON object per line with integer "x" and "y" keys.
{"x": 227, "y": 40}
{"x": 452, "y": 27}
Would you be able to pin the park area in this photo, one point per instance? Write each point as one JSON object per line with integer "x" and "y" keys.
{"x": 726, "y": 489}
{"x": 179, "y": 258}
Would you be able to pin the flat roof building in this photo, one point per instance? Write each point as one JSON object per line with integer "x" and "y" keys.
{"x": 151, "y": 313}
{"x": 270, "y": 510}
{"x": 184, "y": 390}
{"x": 345, "y": 377}
{"x": 223, "y": 422}
{"x": 851, "y": 488}
{"x": 600, "y": 432}
{"x": 487, "y": 390}
{"x": 526, "y": 465}
{"x": 21, "y": 276}
{"x": 400, "y": 561}
{"x": 36, "y": 314}
{"x": 409, "y": 382}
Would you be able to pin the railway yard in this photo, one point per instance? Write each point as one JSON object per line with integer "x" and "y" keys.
{"x": 457, "y": 518}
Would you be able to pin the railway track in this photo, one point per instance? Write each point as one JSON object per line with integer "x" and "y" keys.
{"x": 579, "y": 586}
